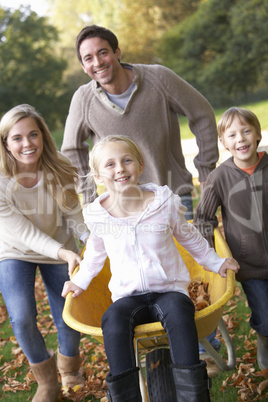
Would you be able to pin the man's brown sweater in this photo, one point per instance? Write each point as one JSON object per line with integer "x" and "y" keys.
{"x": 150, "y": 118}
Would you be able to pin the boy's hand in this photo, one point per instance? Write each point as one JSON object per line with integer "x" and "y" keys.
{"x": 69, "y": 286}
{"x": 229, "y": 263}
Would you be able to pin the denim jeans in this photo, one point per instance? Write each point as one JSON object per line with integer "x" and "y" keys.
{"x": 17, "y": 280}
{"x": 187, "y": 201}
{"x": 256, "y": 291}
{"x": 176, "y": 313}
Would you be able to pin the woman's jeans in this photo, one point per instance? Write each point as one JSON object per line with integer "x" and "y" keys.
{"x": 256, "y": 291}
{"x": 17, "y": 281}
{"x": 176, "y": 313}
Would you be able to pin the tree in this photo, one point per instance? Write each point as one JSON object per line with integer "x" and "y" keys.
{"x": 222, "y": 49}
{"x": 138, "y": 24}
{"x": 30, "y": 70}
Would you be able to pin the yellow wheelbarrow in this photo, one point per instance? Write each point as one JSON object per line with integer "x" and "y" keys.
{"x": 84, "y": 312}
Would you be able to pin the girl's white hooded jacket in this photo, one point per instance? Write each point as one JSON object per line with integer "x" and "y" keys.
{"x": 142, "y": 252}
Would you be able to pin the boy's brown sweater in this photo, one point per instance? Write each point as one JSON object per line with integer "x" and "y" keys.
{"x": 243, "y": 200}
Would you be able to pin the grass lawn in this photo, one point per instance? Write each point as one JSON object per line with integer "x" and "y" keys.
{"x": 244, "y": 383}
{"x": 259, "y": 108}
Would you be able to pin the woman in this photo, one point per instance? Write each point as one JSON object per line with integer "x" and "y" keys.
{"x": 39, "y": 212}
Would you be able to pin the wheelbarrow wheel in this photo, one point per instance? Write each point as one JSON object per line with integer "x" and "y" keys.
{"x": 160, "y": 382}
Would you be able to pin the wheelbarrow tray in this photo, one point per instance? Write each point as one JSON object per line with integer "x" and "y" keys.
{"x": 84, "y": 312}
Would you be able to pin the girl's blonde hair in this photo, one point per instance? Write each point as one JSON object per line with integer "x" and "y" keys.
{"x": 94, "y": 155}
{"x": 57, "y": 171}
{"x": 244, "y": 115}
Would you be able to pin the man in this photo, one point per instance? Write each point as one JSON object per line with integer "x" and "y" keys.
{"x": 142, "y": 102}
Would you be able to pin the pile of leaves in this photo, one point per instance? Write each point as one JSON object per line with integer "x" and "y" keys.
{"x": 251, "y": 384}
{"x": 198, "y": 292}
{"x": 94, "y": 371}
{"x": 94, "y": 365}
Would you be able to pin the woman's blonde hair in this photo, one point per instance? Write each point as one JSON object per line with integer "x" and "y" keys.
{"x": 244, "y": 115}
{"x": 57, "y": 171}
{"x": 134, "y": 150}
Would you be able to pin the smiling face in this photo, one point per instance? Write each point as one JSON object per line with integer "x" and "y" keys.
{"x": 118, "y": 167}
{"x": 99, "y": 61}
{"x": 25, "y": 143}
{"x": 241, "y": 139}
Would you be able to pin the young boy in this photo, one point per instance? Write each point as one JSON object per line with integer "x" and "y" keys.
{"x": 240, "y": 187}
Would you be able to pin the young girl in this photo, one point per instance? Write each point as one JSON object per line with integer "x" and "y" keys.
{"x": 39, "y": 210}
{"x": 239, "y": 186}
{"x": 134, "y": 225}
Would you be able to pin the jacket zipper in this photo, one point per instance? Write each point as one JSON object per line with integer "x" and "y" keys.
{"x": 258, "y": 209}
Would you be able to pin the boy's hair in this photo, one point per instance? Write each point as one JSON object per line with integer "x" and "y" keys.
{"x": 53, "y": 165}
{"x": 93, "y": 160}
{"x": 93, "y": 31}
{"x": 244, "y": 115}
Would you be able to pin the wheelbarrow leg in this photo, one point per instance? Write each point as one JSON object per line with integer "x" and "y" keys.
{"x": 144, "y": 394}
{"x": 215, "y": 355}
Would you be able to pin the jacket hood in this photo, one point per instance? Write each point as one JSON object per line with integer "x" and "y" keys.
{"x": 262, "y": 164}
{"x": 95, "y": 213}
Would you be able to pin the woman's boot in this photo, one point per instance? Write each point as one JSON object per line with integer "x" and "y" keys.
{"x": 124, "y": 387}
{"x": 46, "y": 376}
{"x": 192, "y": 383}
{"x": 262, "y": 351}
{"x": 69, "y": 370}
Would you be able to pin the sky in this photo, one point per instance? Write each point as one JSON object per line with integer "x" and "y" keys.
{"x": 39, "y": 6}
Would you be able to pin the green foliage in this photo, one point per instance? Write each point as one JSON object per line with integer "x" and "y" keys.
{"x": 142, "y": 24}
{"x": 259, "y": 108}
{"x": 221, "y": 49}
{"x": 30, "y": 70}
{"x": 139, "y": 24}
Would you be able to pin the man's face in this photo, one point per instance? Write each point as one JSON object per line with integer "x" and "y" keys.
{"x": 99, "y": 61}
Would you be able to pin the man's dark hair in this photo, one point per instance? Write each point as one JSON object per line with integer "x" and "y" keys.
{"x": 93, "y": 31}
